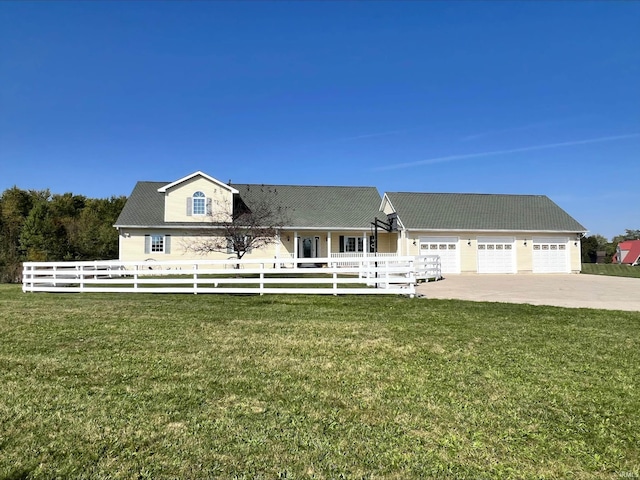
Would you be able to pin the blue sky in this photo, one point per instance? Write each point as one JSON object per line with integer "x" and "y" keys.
{"x": 477, "y": 97}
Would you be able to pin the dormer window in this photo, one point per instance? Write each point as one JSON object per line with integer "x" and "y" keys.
{"x": 198, "y": 204}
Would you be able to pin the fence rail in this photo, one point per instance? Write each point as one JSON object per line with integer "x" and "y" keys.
{"x": 370, "y": 275}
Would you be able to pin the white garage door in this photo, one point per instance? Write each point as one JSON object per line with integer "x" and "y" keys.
{"x": 446, "y": 248}
{"x": 551, "y": 255}
{"x": 496, "y": 255}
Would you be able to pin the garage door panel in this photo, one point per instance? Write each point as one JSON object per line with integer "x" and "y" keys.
{"x": 446, "y": 248}
{"x": 496, "y": 255}
{"x": 550, "y": 255}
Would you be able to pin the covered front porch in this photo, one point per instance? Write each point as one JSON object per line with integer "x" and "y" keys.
{"x": 309, "y": 245}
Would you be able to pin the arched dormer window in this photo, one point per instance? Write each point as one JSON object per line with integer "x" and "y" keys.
{"x": 199, "y": 203}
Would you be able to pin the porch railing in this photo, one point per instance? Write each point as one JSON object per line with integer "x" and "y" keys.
{"x": 346, "y": 259}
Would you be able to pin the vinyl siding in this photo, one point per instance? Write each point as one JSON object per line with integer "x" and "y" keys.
{"x": 176, "y": 201}
{"x": 132, "y": 248}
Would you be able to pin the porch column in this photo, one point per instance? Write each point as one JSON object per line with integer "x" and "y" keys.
{"x": 328, "y": 244}
{"x": 295, "y": 244}
{"x": 365, "y": 245}
{"x": 278, "y": 243}
{"x": 407, "y": 243}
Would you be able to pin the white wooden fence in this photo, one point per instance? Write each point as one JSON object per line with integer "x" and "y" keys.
{"x": 370, "y": 275}
{"x": 428, "y": 267}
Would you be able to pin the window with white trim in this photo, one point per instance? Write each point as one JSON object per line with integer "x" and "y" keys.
{"x": 157, "y": 243}
{"x": 199, "y": 203}
{"x": 351, "y": 244}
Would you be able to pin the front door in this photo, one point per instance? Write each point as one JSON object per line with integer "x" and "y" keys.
{"x": 309, "y": 247}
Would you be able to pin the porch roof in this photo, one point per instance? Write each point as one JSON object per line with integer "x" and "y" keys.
{"x": 323, "y": 207}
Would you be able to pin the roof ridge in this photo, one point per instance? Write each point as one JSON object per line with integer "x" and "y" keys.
{"x": 306, "y": 186}
{"x": 470, "y": 193}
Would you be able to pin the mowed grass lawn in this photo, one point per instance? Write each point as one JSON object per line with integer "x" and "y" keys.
{"x": 217, "y": 386}
{"x": 614, "y": 270}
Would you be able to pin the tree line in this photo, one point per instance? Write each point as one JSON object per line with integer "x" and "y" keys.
{"x": 36, "y": 225}
{"x": 593, "y": 244}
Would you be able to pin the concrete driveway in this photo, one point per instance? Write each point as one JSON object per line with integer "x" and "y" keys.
{"x": 578, "y": 291}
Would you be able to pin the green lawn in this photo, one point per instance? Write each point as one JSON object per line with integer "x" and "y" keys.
{"x": 610, "y": 269}
{"x": 215, "y": 386}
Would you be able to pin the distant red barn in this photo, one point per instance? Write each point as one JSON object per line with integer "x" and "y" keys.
{"x": 628, "y": 252}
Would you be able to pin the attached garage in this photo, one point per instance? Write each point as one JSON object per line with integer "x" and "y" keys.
{"x": 446, "y": 248}
{"x": 486, "y": 233}
{"x": 551, "y": 255}
{"x": 496, "y": 255}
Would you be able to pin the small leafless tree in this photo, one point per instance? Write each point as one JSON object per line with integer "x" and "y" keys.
{"x": 248, "y": 227}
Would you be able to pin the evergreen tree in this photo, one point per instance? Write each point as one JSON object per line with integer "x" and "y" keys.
{"x": 39, "y": 237}
{"x": 15, "y": 205}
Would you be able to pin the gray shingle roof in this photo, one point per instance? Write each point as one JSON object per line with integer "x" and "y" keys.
{"x": 457, "y": 211}
{"x": 356, "y": 207}
{"x": 322, "y": 207}
{"x": 305, "y": 206}
{"x": 144, "y": 207}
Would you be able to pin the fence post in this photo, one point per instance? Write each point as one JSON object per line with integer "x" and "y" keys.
{"x": 195, "y": 278}
{"x": 262, "y": 279}
{"x": 135, "y": 276}
{"x": 386, "y": 273}
{"x": 412, "y": 277}
{"x": 25, "y": 276}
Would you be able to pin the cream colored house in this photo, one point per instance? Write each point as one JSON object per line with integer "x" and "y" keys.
{"x": 161, "y": 220}
{"x": 471, "y": 233}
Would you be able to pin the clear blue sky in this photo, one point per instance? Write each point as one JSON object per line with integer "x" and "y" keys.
{"x": 487, "y": 97}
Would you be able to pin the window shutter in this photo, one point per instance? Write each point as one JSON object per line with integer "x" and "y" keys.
{"x": 341, "y": 243}
{"x": 189, "y": 206}
{"x": 147, "y": 244}
{"x": 167, "y": 244}
{"x": 208, "y": 206}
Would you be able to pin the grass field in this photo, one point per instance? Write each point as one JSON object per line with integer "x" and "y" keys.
{"x": 611, "y": 270}
{"x": 214, "y": 386}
